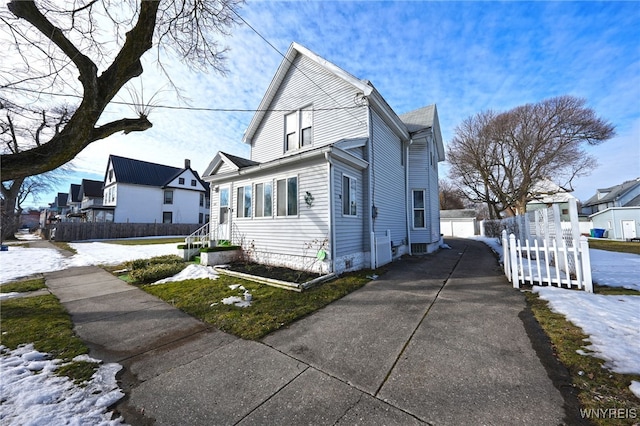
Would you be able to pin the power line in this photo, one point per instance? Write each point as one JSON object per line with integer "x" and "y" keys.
{"x": 174, "y": 107}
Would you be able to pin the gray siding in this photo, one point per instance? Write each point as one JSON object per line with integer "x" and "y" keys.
{"x": 350, "y": 230}
{"x": 299, "y": 235}
{"x": 423, "y": 174}
{"x": 330, "y": 122}
{"x": 388, "y": 182}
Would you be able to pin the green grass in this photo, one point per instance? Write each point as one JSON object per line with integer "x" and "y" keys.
{"x": 598, "y": 388}
{"x": 43, "y": 321}
{"x": 613, "y": 245}
{"x": 271, "y": 308}
{"x": 146, "y": 241}
{"x": 23, "y": 286}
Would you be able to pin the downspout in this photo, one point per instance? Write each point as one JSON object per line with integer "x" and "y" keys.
{"x": 332, "y": 228}
{"x": 408, "y": 195}
{"x": 372, "y": 257}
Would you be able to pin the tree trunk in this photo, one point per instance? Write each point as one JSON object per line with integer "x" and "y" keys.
{"x": 11, "y": 210}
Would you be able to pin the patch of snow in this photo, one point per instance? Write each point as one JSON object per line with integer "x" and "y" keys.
{"x": 615, "y": 269}
{"x": 237, "y": 301}
{"x": 191, "y": 272}
{"x": 236, "y": 286}
{"x": 10, "y": 295}
{"x": 32, "y": 394}
{"x": 611, "y": 322}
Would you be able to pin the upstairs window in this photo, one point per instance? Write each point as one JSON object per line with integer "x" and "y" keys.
{"x": 168, "y": 197}
{"x": 181, "y": 181}
{"x": 298, "y": 129}
{"x": 193, "y": 182}
{"x": 287, "y": 196}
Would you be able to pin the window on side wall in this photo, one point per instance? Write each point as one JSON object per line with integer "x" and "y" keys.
{"x": 244, "y": 201}
{"x": 298, "y": 129}
{"x": 349, "y": 194}
{"x": 418, "y": 208}
{"x": 287, "y": 196}
{"x": 167, "y": 217}
{"x": 168, "y": 197}
{"x": 264, "y": 199}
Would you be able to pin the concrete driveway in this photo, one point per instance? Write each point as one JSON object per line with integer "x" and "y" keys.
{"x": 439, "y": 339}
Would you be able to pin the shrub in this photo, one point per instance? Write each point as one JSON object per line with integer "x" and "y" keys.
{"x": 156, "y": 272}
{"x": 144, "y": 263}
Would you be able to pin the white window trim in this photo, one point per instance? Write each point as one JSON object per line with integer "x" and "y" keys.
{"x": 413, "y": 208}
{"x": 255, "y": 197}
{"x": 244, "y": 187}
{"x": 351, "y": 178}
{"x": 298, "y": 130}
{"x": 286, "y": 186}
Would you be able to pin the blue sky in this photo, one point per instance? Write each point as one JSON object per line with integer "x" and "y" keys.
{"x": 466, "y": 57}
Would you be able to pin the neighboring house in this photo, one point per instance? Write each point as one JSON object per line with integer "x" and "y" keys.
{"x": 459, "y": 223}
{"x": 626, "y": 194}
{"x": 91, "y": 206}
{"x": 73, "y": 202}
{"x": 619, "y": 223}
{"x": 58, "y": 210}
{"x": 546, "y": 193}
{"x": 336, "y": 180}
{"x": 143, "y": 192}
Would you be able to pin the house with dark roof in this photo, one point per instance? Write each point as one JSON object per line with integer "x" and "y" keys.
{"x": 336, "y": 180}
{"x": 143, "y": 192}
{"x": 616, "y": 210}
{"x": 91, "y": 208}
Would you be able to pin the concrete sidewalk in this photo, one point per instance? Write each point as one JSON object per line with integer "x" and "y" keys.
{"x": 440, "y": 339}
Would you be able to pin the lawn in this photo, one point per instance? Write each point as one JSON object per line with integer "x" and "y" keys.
{"x": 614, "y": 245}
{"x": 43, "y": 321}
{"x": 271, "y": 308}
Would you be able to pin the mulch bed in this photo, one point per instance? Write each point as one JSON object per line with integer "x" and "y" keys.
{"x": 274, "y": 272}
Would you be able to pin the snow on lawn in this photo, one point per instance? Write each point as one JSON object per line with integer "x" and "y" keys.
{"x": 612, "y": 322}
{"x": 33, "y": 395}
{"x": 20, "y": 261}
{"x": 192, "y": 272}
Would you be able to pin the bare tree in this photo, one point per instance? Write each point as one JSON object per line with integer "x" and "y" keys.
{"x": 497, "y": 158}
{"x": 451, "y": 197}
{"x": 87, "y": 50}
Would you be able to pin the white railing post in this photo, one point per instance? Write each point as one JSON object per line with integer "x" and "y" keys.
{"x": 586, "y": 264}
{"x": 514, "y": 261}
{"x": 505, "y": 255}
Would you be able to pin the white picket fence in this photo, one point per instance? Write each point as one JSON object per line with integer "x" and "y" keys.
{"x": 551, "y": 263}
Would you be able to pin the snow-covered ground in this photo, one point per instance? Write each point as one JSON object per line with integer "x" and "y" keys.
{"x": 612, "y": 322}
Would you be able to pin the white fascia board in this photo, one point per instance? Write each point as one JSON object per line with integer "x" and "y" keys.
{"x": 389, "y": 117}
{"x": 348, "y": 158}
{"x": 351, "y": 143}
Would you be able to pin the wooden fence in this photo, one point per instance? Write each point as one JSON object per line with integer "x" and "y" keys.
{"x": 70, "y": 231}
{"x": 556, "y": 264}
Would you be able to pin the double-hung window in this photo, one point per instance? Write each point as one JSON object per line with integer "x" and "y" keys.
{"x": 244, "y": 201}
{"x": 287, "y": 196}
{"x": 349, "y": 196}
{"x": 168, "y": 197}
{"x": 298, "y": 129}
{"x": 264, "y": 199}
{"x": 418, "y": 208}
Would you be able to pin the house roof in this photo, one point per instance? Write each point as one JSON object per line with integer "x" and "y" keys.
{"x": 61, "y": 200}
{"x": 613, "y": 193}
{"x": 74, "y": 192}
{"x": 458, "y": 214}
{"x": 240, "y": 162}
{"x": 425, "y": 119}
{"x": 90, "y": 188}
{"x": 138, "y": 172}
{"x": 546, "y": 191}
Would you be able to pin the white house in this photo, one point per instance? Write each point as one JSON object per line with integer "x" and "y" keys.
{"x": 626, "y": 194}
{"x": 143, "y": 192}
{"x": 337, "y": 181}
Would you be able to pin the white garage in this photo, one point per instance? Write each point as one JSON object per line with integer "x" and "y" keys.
{"x": 458, "y": 223}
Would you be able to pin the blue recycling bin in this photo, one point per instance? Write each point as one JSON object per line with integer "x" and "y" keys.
{"x": 598, "y": 233}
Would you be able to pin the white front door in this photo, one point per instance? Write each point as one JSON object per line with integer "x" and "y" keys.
{"x": 224, "y": 214}
{"x": 628, "y": 229}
